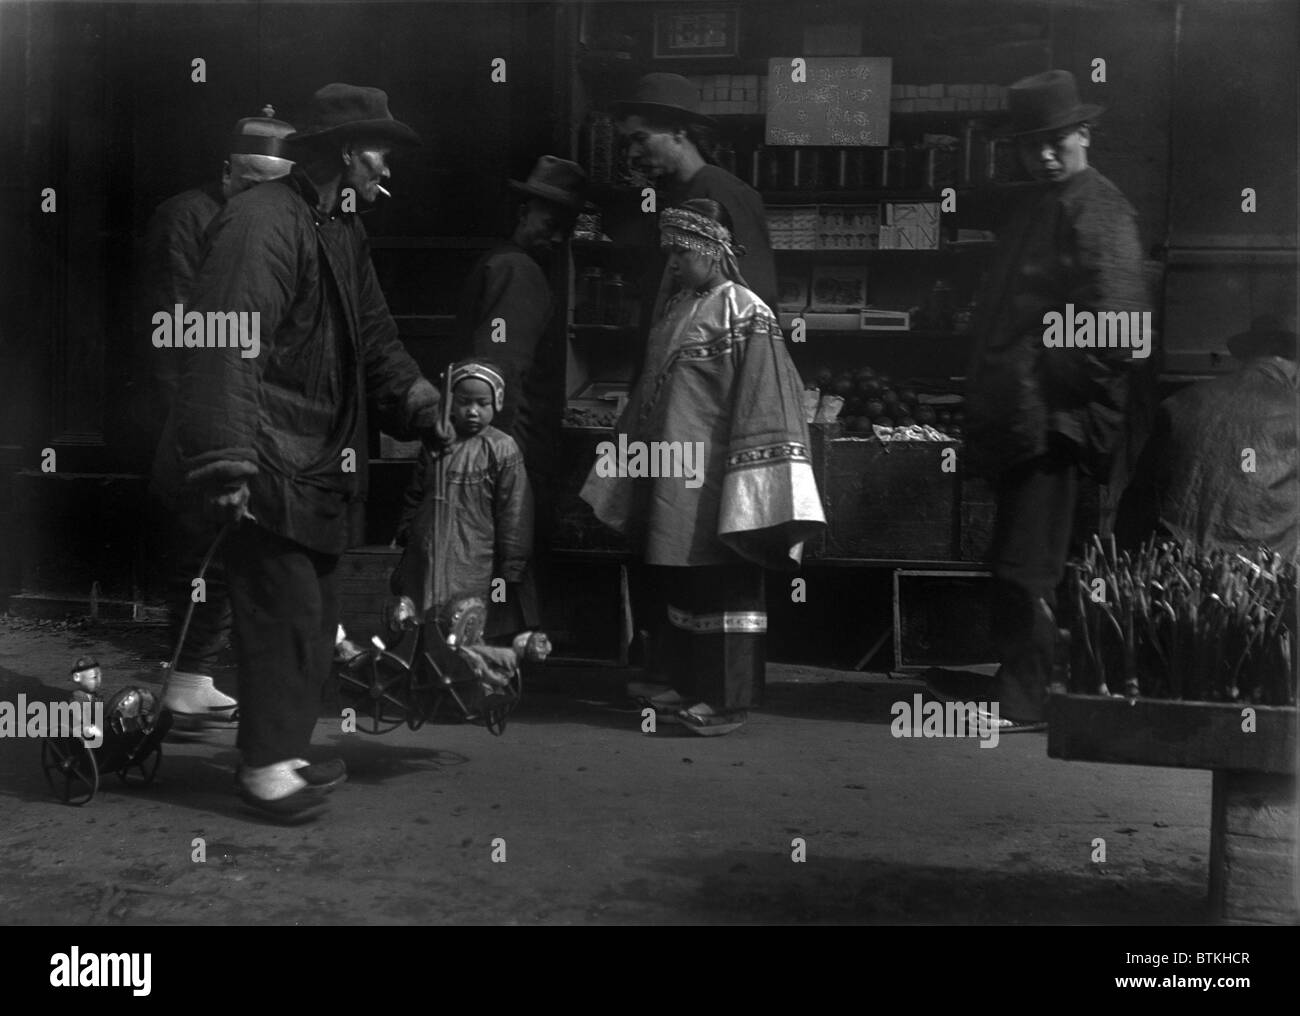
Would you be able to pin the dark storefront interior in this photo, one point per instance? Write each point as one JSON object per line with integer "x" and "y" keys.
{"x": 102, "y": 107}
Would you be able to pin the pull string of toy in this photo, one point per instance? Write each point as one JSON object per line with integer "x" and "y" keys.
{"x": 189, "y": 616}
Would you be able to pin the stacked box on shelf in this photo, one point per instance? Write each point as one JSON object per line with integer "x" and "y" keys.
{"x": 947, "y": 98}
{"x": 730, "y": 94}
{"x": 793, "y": 227}
{"x": 848, "y": 227}
{"x": 910, "y": 225}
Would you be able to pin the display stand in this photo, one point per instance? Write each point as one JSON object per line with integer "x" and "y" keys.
{"x": 1255, "y": 817}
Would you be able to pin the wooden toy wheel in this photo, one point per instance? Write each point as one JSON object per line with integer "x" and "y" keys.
{"x": 379, "y": 689}
{"x": 139, "y": 772}
{"x": 70, "y": 769}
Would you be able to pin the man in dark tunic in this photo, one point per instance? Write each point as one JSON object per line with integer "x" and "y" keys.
{"x": 673, "y": 143}
{"x": 505, "y": 318}
{"x": 174, "y": 248}
{"x": 506, "y": 310}
{"x": 277, "y": 440}
{"x": 1037, "y": 414}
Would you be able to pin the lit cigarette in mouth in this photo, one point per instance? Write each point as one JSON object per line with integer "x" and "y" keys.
{"x": 383, "y": 190}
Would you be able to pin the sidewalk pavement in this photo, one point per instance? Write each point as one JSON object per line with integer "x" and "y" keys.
{"x": 590, "y": 821}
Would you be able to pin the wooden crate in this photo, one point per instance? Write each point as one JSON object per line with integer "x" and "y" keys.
{"x": 1160, "y": 732}
{"x": 887, "y": 501}
{"x": 925, "y": 603}
{"x": 1255, "y": 814}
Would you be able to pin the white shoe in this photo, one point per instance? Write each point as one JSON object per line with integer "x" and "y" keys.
{"x": 196, "y": 704}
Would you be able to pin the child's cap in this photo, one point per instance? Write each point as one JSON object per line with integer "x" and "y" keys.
{"x": 471, "y": 369}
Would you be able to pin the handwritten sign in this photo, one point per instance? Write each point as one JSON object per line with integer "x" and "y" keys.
{"x": 828, "y": 100}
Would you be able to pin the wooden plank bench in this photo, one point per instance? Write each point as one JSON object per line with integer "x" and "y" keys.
{"x": 1255, "y": 814}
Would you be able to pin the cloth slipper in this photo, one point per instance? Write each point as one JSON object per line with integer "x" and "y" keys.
{"x": 1006, "y": 725}
{"x": 323, "y": 776}
{"x": 223, "y": 718}
{"x": 948, "y": 686}
{"x": 301, "y": 806}
{"x": 646, "y": 689}
{"x": 712, "y": 724}
{"x": 666, "y": 705}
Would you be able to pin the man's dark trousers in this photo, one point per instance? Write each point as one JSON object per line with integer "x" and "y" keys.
{"x": 1036, "y": 503}
{"x": 286, "y": 609}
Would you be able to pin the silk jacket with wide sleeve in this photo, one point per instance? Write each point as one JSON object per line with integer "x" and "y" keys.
{"x": 709, "y": 463}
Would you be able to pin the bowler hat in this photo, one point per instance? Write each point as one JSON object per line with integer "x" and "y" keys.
{"x": 658, "y": 95}
{"x": 559, "y": 181}
{"x": 1269, "y": 335}
{"x": 262, "y": 135}
{"x": 1045, "y": 102}
{"x": 340, "y": 110}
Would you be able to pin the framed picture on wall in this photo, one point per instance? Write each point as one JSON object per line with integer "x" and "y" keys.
{"x": 697, "y": 32}
{"x": 837, "y": 289}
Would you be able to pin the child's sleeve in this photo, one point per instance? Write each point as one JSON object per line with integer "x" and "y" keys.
{"x": 413, "y": 496}
{"x": 513, "y": 508}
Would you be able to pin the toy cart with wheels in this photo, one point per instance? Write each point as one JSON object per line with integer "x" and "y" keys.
{"x": 438, "y": 668}
{"x": 123, "y": 735}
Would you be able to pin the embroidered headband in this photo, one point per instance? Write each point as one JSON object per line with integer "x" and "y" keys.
{"x": 465, "y": 371}
{"x": 680, "y": 227}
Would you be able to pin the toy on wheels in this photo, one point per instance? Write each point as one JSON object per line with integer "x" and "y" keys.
{"x": 438, "y": 668}
{"x": 121, "y": 735}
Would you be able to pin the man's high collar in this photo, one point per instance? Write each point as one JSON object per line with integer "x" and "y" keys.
{"x": 309, "y": 192}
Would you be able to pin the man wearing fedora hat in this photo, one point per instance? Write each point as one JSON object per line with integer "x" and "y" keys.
{"x": 277, "y": 442}
{"x": 672, "y": 142}
{"x": 173, "y": 253}
{"x": 1036, "y": 417}
{"x": 1192, "y": 481}
{"x": 505, "y": 316}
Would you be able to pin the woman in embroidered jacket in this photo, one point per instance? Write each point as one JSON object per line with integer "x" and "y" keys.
{"x": 717, "y": 375}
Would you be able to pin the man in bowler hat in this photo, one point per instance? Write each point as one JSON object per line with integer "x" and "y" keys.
{"x": 277, "y": 442}
{"x": 1038, "y": 417}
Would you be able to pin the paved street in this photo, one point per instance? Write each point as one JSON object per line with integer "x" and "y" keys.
{"x": 604, "y": 824}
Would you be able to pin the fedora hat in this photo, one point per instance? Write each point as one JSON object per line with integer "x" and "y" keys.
{"x": 262, "y": 135}
{"x": 558, "y": 181}
{"x": 339, "y": 111}
{"x": 660, "y": 94}
{"x": 1045, "y": 102}
{"x": 1268, "y": 335}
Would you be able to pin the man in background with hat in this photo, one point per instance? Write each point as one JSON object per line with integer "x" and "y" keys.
{"x": 173, "y": 254}
{"x": 277, "y": 442}
{"x": 1037, "y": 417}
{"x": 505, "y": 317}
{"x": 673, "y": 143}
{"x": 1220, "y": 466}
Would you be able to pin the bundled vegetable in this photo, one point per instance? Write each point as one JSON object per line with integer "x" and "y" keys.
{"x": 1177, "y": 622}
